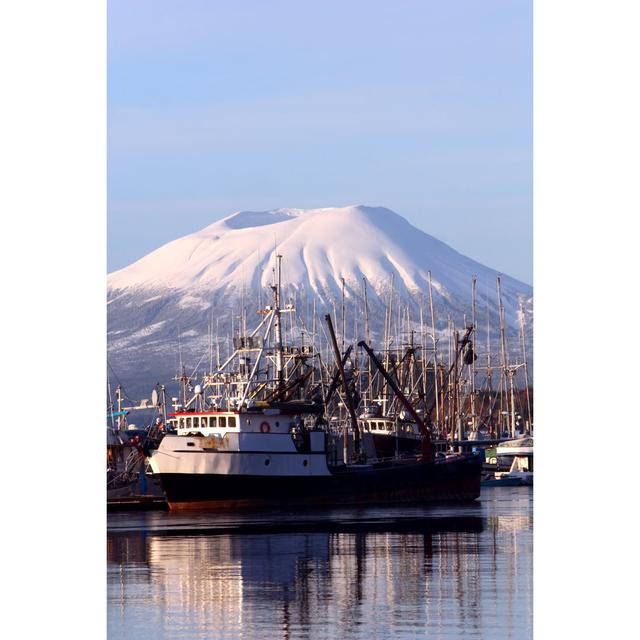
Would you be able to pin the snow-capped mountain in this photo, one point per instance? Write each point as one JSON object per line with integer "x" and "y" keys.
{"x": 160, "y": 308}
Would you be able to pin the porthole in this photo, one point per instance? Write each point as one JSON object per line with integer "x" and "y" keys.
{"x": 305, "y": 463}
{"x": 267, "y": 462}
{"x": 277, "y": 424}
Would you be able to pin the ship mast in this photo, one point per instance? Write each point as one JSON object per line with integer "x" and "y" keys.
{"x": 435, "y": 355}
{"x": 526, "y": 375}
{"x": 276, "y": 324}
{"x": 368, "y": 338}
{"x": 343, "y": 317}
{"x": 347, "y": 398}
{"x": 474, "y": 425}
{"x": 489, "y": 380}
{"x": 503, "y": 343}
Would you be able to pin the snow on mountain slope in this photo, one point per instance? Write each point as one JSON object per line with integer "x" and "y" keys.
{"x": 320, "y": 246}
{"x": 177, "y": 290}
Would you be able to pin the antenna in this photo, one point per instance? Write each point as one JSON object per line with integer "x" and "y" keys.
{"x": 180, "y": 348}
{"x": 259, "y": 280}
{"x": 211, "y": 341}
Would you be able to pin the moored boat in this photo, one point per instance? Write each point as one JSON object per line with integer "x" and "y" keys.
{"x": 268, "y": 459}
{"x": 392, "y": 438}
{"x": 513, "y": 463}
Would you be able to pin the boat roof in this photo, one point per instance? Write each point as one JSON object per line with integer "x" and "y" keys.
{"x": 527, "y": 441}
{"x": 280, "y": 409}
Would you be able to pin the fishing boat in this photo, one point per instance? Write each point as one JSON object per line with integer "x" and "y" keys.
{"x": 125, "y": 462}
{"x": 262, "y": 442}
{"x": 513, "y": 461}
{"x": 129, "y": 446}
{"x": 391, "y": 437}
{"x": 267, "y": 460}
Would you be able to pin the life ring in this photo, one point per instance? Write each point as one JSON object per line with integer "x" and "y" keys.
{"x": 265, "y": 427}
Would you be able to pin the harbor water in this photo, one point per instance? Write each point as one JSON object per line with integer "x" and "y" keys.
{"x": 449, "y": 571}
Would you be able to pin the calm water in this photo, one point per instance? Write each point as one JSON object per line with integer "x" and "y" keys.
{"x": 443, "y": 572}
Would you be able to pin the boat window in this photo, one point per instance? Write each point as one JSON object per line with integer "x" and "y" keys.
{"x": 196, "y": 422}
{"x": 188, "y": 423}
{"x": 181, "y": 423}
{"x": 389, "y": 426}
{"x": 204, "y": 421}
{"x": 213, "y": 422}
{"x": 222, "y": 422}
{"x": 232, "y": 422}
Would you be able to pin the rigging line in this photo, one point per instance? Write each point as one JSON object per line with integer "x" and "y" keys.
{"x": 122, "y": 387}
{"x": 113, "y": 424}
{"x": 309, "y": 332}
{"x": 196, "y": 368}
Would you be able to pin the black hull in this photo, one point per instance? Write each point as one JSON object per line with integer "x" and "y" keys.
{"x": 393, "y": 483}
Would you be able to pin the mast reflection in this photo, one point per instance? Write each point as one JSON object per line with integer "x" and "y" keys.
{"x": 230, "y": 585}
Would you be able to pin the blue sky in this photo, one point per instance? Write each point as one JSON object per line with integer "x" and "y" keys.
{"x": 424, "y": 107}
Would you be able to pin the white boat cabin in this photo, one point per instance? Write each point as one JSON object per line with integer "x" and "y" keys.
{"x": 220, "y": 422}
{"x": 387, "y": 426}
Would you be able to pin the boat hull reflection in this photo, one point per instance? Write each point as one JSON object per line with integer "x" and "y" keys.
{"x": 446, "y": 572}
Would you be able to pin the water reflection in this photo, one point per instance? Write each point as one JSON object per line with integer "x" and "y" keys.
{"x": 471, "y": 581}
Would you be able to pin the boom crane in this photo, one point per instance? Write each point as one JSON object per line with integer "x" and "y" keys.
{"x": 427, "y": 446}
